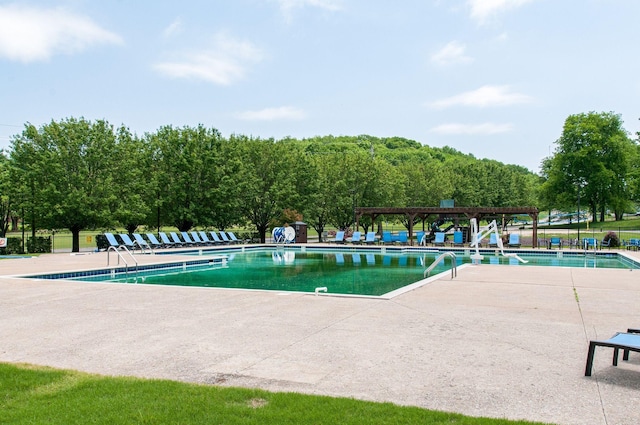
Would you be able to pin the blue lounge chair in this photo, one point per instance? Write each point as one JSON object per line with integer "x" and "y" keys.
{"x": 187, "y": 238}
{"x": 233, "y": 238}
{"x": 370, "y": 239}
{"x": 139, "y": 240}
{"x": 204, "y": 238}
{"x": 112, "y": 240}
{"x": 196, "y": 238}
{"x": 176, "y": 239}
{"x": 356, "y": 238}
{"x": 514, "y": 240}
{"x": 154, "y": 241}
{"x": 439, "y": 239}
{"x": 339, "y": 237}
{"x": 126, "y": 241}
{"x": 387, "y": 238}
{"x": 493, "y": 241}
{"x": 216, "y": 239}
{"x": 458, "y": 238}
{"x": 224, "y": 237}
{"x": 620, "y": 341}
{"x": 555, "y": 242}
{"x": 588, "y": 243}
{"x": 403, "y": 237}
{"x": 166, "y": 241}
{"x": 420, "y": 237}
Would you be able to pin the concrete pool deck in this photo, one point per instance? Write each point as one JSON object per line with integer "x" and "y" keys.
{"x": 497, "y": 341}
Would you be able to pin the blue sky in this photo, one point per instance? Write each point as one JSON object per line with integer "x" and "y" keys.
{"x": 494, "y": 78}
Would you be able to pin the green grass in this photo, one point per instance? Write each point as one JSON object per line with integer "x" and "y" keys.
{"x": 35, "y": 395}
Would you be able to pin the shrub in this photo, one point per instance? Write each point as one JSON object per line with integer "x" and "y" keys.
{"x": 611, "y": 239}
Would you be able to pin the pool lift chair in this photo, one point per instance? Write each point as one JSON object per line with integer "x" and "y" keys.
{"x": 478, "y": 234}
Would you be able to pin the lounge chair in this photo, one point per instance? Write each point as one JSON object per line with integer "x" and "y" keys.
{"x": 176, "y": 239}
{"x": 514, "y": 240}
{"x": 224, "y": 237}
{"x": 588, "y": 243}
{"x": 493, "y": 241}
{"x": 204, "y": 238}
{"x": 216, "y": 239}
{"x": 233, "y": 238}
{"x": 126, "y": 241}
{"x": 187, "y": 238}
{"x": 196, "y": 238}
{"x": 403, "y": 238}
{"x": 112, "y": 240}
{"x": 370, "y": 239}
{"x": 620, "y": 341}
{"x": 420, "y": 240}
{"x": 439, "y": 239}
{"x": 387, "y": 238}
{"x": 555, "y": 242}
{"x": 154, "y": 241}
{"x": 458, "y": 238}
{"x": 139, "y": 240}
{"x": 339, "y": 237}
{"x": 166, "y": 241}
{"x": 356, "y": 238}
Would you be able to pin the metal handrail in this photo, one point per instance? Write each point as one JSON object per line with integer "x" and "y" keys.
{"x": 454, "y": 264}
{"x": 116, "y": 250}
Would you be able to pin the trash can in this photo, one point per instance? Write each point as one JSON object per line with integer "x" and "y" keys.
{"x": 301, "y": 231}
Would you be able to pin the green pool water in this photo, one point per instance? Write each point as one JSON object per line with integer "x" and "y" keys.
{"x": 356, "y": 273}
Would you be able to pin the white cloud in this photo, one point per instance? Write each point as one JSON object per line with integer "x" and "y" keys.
{"x": 273, "y": 114}
{"x": 452, "y": 53}
{"x": 483, "y": 10}
{"x": 173, "y": 28}
{"x": 288, "y": 6}
{"x": 225, "y": 63}
{"x": 29, "y": 34}
{"x": 453, "y": 129}
{"x": 483, "y": 97}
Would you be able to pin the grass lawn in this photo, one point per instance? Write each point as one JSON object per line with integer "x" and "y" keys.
{"x": 36, "y": 395}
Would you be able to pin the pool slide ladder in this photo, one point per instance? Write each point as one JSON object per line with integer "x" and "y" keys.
{"x": 441, "y": 257}
{"x": 116, "y": 250}
{"x": 478, "y": 235}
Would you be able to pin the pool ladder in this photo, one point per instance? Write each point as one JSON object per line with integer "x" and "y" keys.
{"x": 454, "y": 264}
{"x": 114, "y": 249}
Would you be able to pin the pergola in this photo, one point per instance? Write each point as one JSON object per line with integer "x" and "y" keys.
{"x": 454, "y": 214}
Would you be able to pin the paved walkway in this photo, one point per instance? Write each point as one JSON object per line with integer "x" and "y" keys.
{"x": 497, "y": 341}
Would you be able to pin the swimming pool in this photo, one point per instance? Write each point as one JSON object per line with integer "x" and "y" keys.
{"x": 347, "y": 271}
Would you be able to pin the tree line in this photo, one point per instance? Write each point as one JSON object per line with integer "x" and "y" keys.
{"x": 79, "y": 174}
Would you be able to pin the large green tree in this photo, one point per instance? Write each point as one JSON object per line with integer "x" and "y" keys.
{"x": 268, "y": 182}
{"x": 591, "y": 161}
{"x": 185, "y": 164}
{"x": 66, "y": 173}
{"x": 7, "y": 198}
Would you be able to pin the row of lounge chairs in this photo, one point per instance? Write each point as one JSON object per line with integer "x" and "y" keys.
{"x": 171, "y": 240}
{"x": 356, "y": 238}
{"x": 389, "y": 238}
